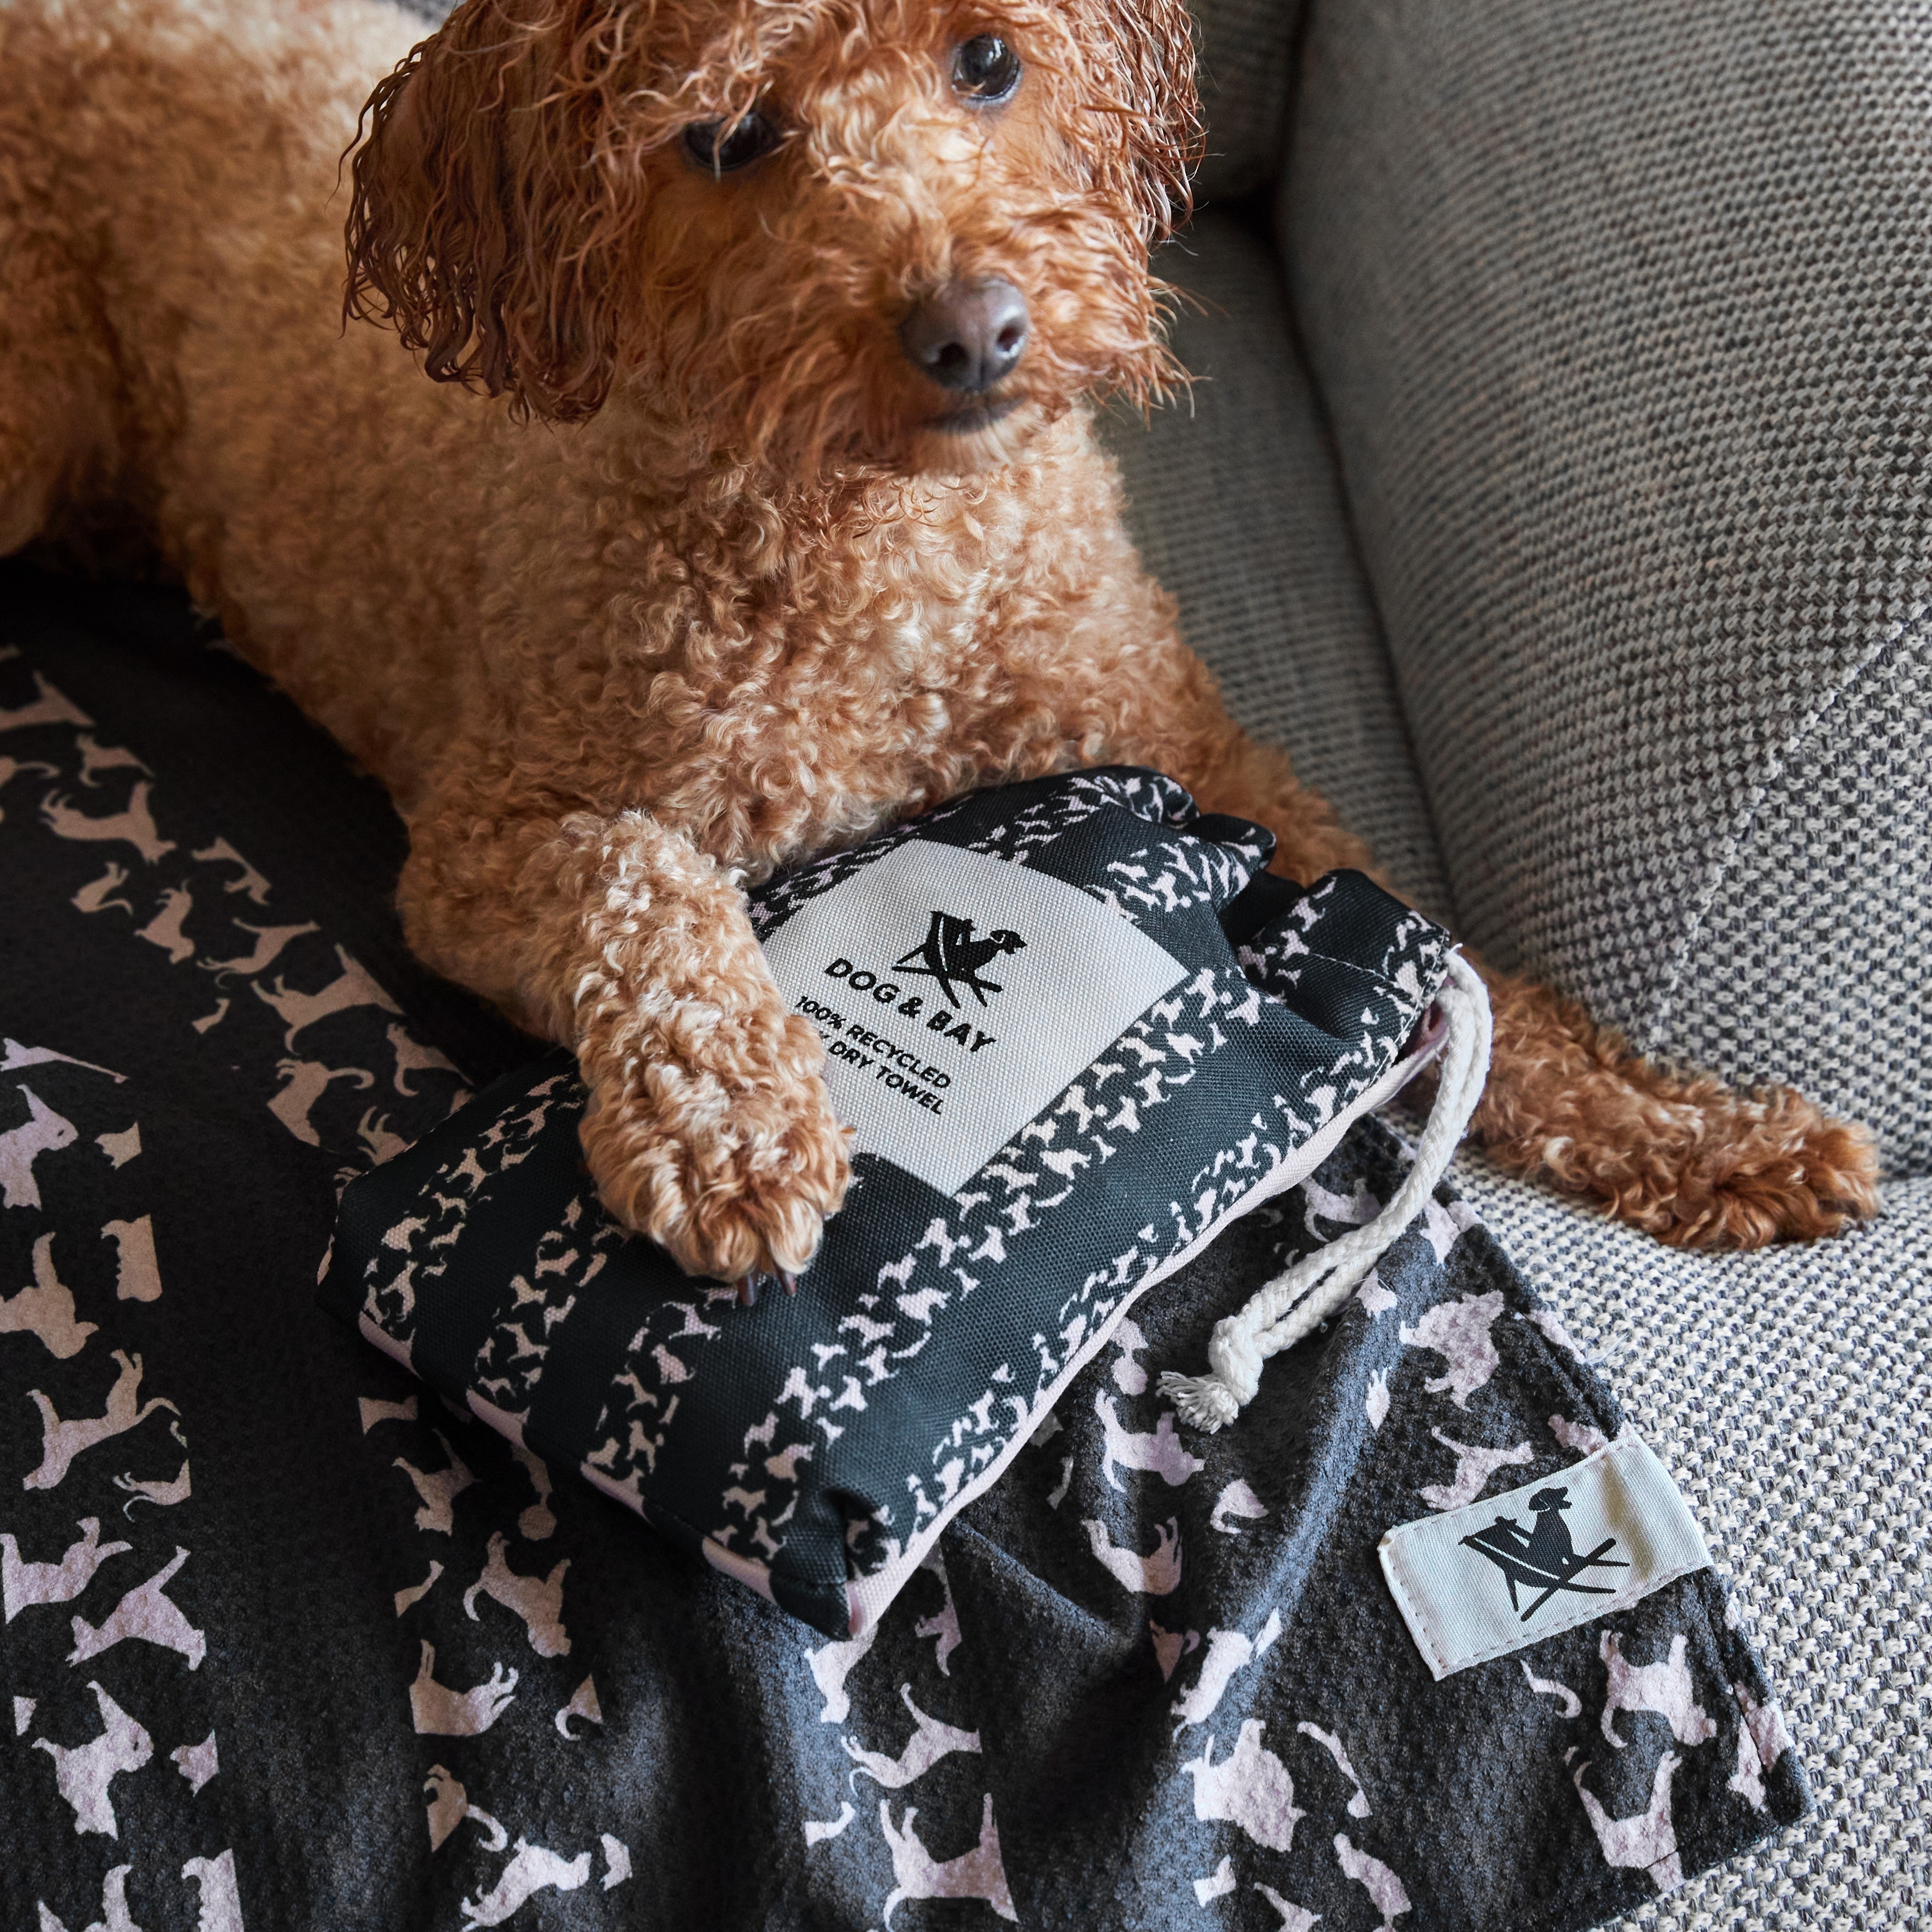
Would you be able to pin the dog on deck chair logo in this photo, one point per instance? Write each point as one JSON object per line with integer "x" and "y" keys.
{"x": 705, "y": 476}
{"x": 950, "y": 955}
{"x": 950, "y": 952}
{"x": 1542, "y": 1559}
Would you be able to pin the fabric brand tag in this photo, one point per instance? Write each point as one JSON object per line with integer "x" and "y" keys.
{"x": 957, "y": 995}
{"x": 1493, "y": 1576}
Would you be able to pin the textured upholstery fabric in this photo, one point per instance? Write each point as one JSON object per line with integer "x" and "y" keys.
{"x": 1786, "y": 1391}
{"x": 1621, "y": 316}
{"x": 1234, "y": 504}
{"x": 1244, "y": 46}
{"x": 1849, "y": 795}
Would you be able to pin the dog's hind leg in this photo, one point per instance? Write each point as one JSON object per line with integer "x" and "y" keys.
{"x": 57, "y": 446}
{"x": 1680, "y": 1155}
{"x": 57, "y": 389}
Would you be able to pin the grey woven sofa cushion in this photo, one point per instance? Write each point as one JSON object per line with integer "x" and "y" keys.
{"x": 1244, "y": 49}
{"x": 1787, "y": 1390}
{"x": 1234, "y": 504}
{"x": 1624, "y": 315}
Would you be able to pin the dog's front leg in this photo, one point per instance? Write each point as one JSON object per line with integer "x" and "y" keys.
{"x": 1677, "y": 1154}
{"x": 708, "y": 1128}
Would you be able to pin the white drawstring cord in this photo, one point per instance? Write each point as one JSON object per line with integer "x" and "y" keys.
{"x": 1302, "y": 1297}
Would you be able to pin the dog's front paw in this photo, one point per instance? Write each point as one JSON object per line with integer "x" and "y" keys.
{"x": 729, "y": 1155}
{"x": 1773, "y": 1167}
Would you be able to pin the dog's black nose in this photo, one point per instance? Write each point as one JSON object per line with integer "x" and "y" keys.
{"x": 968, "y": 335}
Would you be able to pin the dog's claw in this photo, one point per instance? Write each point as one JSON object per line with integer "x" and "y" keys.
{"x": 747, "y": 1288}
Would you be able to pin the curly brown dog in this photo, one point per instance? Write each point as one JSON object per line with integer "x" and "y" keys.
{"x": 781, "y": 516}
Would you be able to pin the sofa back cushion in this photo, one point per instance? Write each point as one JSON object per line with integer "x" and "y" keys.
{"x": 1621, "y": 314}
{"x": 1245, "y": 48}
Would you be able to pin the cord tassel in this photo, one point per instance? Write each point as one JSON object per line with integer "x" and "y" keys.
{"x": 1300, "y": 1299}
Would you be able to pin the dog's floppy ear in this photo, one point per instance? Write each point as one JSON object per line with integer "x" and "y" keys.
{"x": 479, "y": 226}
{"x": 1159, "y": 109}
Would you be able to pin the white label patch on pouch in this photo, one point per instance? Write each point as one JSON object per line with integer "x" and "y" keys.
{"x": 956, "y": 994}
{"x": 1479, "y": 1581}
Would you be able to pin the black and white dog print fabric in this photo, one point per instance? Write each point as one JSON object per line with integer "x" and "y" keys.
{"x": 409, "y": 1677}
{"x": 1065, "y": 1078}
{"x": 203, "y": 1031}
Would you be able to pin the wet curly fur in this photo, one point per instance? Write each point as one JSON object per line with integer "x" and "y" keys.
{"x": 695, "y": 582}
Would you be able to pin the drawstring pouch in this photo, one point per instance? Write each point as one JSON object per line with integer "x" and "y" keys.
{"x": 1077, "y": 1029}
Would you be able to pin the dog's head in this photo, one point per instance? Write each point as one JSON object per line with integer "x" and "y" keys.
{"x": 899, "y": 234}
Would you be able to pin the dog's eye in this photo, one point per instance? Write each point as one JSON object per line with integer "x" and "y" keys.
{"x": 720, "y": 146}
{"x": 985, "y": 71}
